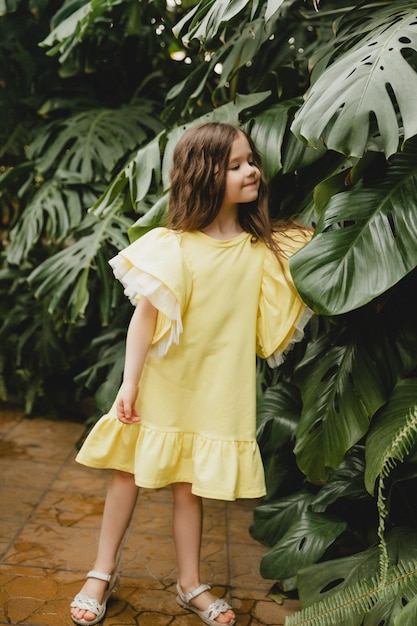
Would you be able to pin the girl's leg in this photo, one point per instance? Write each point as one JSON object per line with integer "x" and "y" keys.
{"x": 187, "y": 532}
{"x": 120, "y": 503}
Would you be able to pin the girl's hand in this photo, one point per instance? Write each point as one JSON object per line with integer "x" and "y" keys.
{"x": 126, "y": 411}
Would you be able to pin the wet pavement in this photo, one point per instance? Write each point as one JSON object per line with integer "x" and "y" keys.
{"x": 50, "y": 512}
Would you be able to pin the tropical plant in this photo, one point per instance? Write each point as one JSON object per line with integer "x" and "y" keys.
{"x": 326, "y": 91}
{"x": 60, "y": 154}
{"x": 379, "y": 584}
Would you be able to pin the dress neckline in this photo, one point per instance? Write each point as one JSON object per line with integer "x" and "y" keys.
{"x": 223, "y": 243}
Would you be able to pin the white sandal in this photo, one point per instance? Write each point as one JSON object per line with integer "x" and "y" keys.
{"x": 85, "y": 603}
{"x": 211, "y": 613}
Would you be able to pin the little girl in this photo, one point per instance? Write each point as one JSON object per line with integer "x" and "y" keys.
{"x": 211, "y": 291}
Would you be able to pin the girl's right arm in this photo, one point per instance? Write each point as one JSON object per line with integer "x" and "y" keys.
{"x": 139, "y": 337}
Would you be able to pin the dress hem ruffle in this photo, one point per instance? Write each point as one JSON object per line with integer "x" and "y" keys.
{"x": 223, "y": 470}
{"x": 203, "y": 493}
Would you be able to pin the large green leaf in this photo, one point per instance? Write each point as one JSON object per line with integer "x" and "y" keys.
{"x": 347, "y": 375}
{"x": 144, "y": 169}
{"x": 340, "y": 392}
{"x": 156, "y": 216}
{"x": 317, "y": 581}
{"x": 64, "y": 277}
{"x": 268, "y": 131}
{"x": 71, "y": 26}
{"x": 272, "y": 521}
{"x": 408, "y": 614}
{"x": 345, "y": 482}
{"x": 205, "y": 20}
{"x": 331, "y": 582}
{"x": 52, "y": 212}
{"x": 104, "y": 374}
{"x": 383, "y": 434}
{"x": 278, "y": 414}
{"x": 237, "y": 52}
{"x": 365, "y": 241}
{"x": 305, "y": 542}
{"x": 93, "y": 142}
{"x": 373, "y": 79}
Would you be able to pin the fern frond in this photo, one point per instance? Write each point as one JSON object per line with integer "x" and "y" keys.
{"x": 358, "y": 598}
{"x": 402, "y": 443}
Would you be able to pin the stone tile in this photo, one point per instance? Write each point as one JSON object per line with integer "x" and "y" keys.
{"x": 260, "y": 608}
{"x": 69, "y": 509}
{"x": 8, "y": 532}
{"x": 240, "y": 516}
{"x": 273, "y": 614}
{"x": 79, "y": 479}
{"x": 45, "y": 440}
{"x": 17, "y": 504}
{"x": 215, "y": 524}
{"x": 35, "y": 596}
{"x": 53, "y": 547}
{"x": 9, "y": 417}
{"x": 244, "y": 564}
{"x": 148, "y": 556}
{"x": 24, "y": 472}
{"x": 155, "y": 516}
{"x": 152, "y": 515}
{"x": 50, "y": 514}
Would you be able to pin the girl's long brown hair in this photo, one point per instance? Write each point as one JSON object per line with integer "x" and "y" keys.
{"x": 198, "y": 180}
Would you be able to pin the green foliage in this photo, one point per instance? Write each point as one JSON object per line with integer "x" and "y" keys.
{"x": 364, "y": 241}
{"x": 72, "y": 139}
{"x": 93, "y": 101}
{"x": 380, "y": 602}
{"x": 387, "y": 427}
{"x": 372, "y": 587}
{"x": 374, "y": 78}
{"x": 345, "y": 377}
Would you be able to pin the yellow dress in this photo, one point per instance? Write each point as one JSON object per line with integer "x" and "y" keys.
{"x": 219, "y": 303}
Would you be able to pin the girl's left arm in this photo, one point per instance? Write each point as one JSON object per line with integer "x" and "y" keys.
{"x": 139, "y": 338}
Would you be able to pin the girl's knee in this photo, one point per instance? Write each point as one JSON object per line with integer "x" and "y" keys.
{"x": 183, "y": 491}
{"x": 125, "y": 477}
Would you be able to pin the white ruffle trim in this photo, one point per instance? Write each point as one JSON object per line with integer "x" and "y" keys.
{"x": 278, "y": 357}
{"x": 138, "y": 283}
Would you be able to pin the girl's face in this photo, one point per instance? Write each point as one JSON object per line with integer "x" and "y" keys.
{"x": 242, "y": 177}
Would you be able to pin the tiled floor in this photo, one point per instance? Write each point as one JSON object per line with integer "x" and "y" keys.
{"x": 50, "y": 511}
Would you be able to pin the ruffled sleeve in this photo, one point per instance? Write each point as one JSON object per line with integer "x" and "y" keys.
{"x": 154, "y": 267}
{"x": 282, "y": 315}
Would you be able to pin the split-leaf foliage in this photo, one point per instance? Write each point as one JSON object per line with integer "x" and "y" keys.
{"x": 93, "y": 97}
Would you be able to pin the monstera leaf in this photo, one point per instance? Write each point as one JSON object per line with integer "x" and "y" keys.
{"x": 65, "y": 276}
{"x": 93, "y": 142}
{"x": 373, "y": 80}
{"x": 340, "y": 391}
{"x": 239, "y": 50}
{"x": 53, "y": 211}
{"x": 72, "y": 23}
{"x": 365, "y": 241}
{"x": 343, "y": 382}
{"x": 272, "y": 521}
{"x": 347, "y": 591}
{"x": 206, "y": 19}
{"x": 382, "y": 437}
{"x": 305, "y": 542}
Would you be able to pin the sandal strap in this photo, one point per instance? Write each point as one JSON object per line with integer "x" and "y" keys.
{"x": 196, "y": 592}
{"x": 95, "y": 574}
{"x": 85, "y": 603}
{"x": 217, "y": 607}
